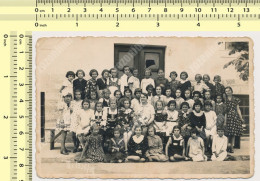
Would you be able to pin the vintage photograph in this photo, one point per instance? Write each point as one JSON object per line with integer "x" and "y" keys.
{"x": 144, "y": 107}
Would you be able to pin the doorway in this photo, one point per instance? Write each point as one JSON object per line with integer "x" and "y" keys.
{"x": 140, "y": 57}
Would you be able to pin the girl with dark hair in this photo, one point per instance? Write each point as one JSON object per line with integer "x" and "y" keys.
{"x": 80, "y": 83}
{"x": 67, "y": 85}
{"x": 92, "y": 83}
{"x": 174, "y": 84}
{"x": 184, "y": 83}
{"x": 102, "y": 82}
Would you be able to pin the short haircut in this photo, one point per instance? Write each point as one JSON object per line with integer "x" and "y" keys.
{"x": 174, "y": 73}
{"x": 152, "y": 127}
{"x": 196, "y": 103}
{"x": 117, "y": 92}
{"x": 197, "y": 92}
{"x": 228, "y": 87}
{"x": 149, "y": 86}
{"x": 97, "y": 103}
{"x": 176, "y": 127}
{"x": 128, "y": 90}
{"x": 146, "y": 95}
{"x": 206, "y": 75}
{"x": 171, "y": 102}
{"x": 106, "y": 90}
{"x": 185, "y": 74}
{"x": 217, "y": 77}
{"x": 155, "y": 105}
{"x": 149, "y": 70}
{"x": 185, "y": 104}
{"x": 159, "y": 70}
{"x": 137, "y": 90}
{"x": 80, "y": 71}
{"x": 70, "y": 73}
{"x": 104, "y": 71}
{"x": 199, "y": 76}
{"x": 68, "y": 95}
{"x": 194, "y": 131}
{"x": 125, "y": 68}
{"x": 92, "y": 71}
{"x": 207, "y": 103}
{"x": 85, "y": 100}
{"x": 220, "y": 128}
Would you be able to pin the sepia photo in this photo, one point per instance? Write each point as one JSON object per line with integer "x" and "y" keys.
{"x": 144, "y": 107}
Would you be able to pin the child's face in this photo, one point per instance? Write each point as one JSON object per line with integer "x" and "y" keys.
{"x": 159, "y": 106}
{"x": 173, "y": 76}
{"x": 105, "y": 75}
{"x": 94, "y": 75}
{"x": 113, "y": 104}
{"x": 178, "y": 93}
{"x": 160, "y": 73}
{"x": 216, "y": 80}
{"x": 107, "y": 95}
{"x": 187, "y": 94}
{"x": 114, "y": 73}
{"x": 172, "y": 107}
{"x": 205, "y": 79}
{"x": 228, "y": 92}
{"x": 70, "y": 77}
{"x": 127, "y": 71}
{"x": 151, "y": 132}
{"x": 150, "y": 90}
{"x": 197, "y": 78}
{"x": 128, "y": 94}
{"x": 67, "y": 99}
{"x": 158, "y": 90}
{"x": 196, "y": 97}
{"x": 126, "y": 104}
{"x": 168, "y": 92}
{"x": 99, "y": 107}
{"x": 185, "y": 108}
{"x": 194, "y": 135}
{"x": 135, "y": 73}
{"x": 176, "y": 132}
{"x": 118, "y": 95}
{"x": 80, "y": 75}
{"x": 219, "y": 99}
{"x": 183, "y": 77}
{"x": 116, "y": 134}
{"x": 138, "y": 131}
{"x": 95, "y": 131}
{"x": 143, "y": 98}
{"x": 77, "y": 95}
{"x": 220, "y": 133}
{"x": 197, "y": 108}
{"x": 138, "y": 95}
{"x": 93, "y": 95}
{"x": 207, "y": 108}
{"x": 147, "y": 73}
{"x": 207, "y": 95}
{"x": 85, "y": 105}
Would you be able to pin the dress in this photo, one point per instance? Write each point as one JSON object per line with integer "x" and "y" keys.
{"x": 80, "y": 85}
{"x": 199, "y": 120}
{"x": 174, "y": 85}
{"x": 91, "y": 86}
{"x": 145, "y": 82}
{"x": 101, "y": 84}
{"x": 144, "y": 114}
{"x": 113, "y": 85}
{"x": 95, "y": 150}
{"x": 112, "y": 122}
{"x": 115, "y": 155}
{"x": 163, "y": 82}
{"x": 234, "y": 124}
{"x": 64, "y": 121}
{"x": 221, "y": 110}
{"x": 196, "y": 149}
{"x": 68, "y": 88}
{"x": 219, "y": 144}
{"x": 159, "y": 120}
{"x": 138, "y": 143}
{"x": 155, "y": 148}
{"x": 135, "y": 81}
{"x": 219, "y": 89}
{"x": 172, "y": 117}
{"x": 76, "y": 107}
{"x": 184, "y": 119}
{"x": 179, "y": 101}
{"x": 212, "y": 89}
{"x": 176, "y": 146}
{"x": 211, "y": 120}
{"x": 84, "y": 117}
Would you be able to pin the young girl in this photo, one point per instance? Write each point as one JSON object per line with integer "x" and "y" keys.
{"x": 155, "y": 147}
{"x": 168, "y": 94}
{"x": 175, "y": 148}
{"x": 92, "y": 83}
{"x": 221, "y": 110}
{"x": 127, "y": 95}
{"x": 93, "y": 100}
{"x": 112, "y": 118}
{"x": 198, "y": 119}
{"x": 196, "y": 150}
{"x": 147, "y": 80}
{"x": 63, "y": 123}
{"x": 84, "y": 117}
{"x": 158, "y": 95}
{"x": 199, "y": 85}
{"x": 189, "y": 100}
{"x": 211, "y": 128}
{"x": 67, "y": 85}
{"x": 197, "y": 97}
{"x": 76, "y": 106}
{"x": 113, "y": 81}
{"x": 184, "y": 83}
{"x": 219, "y": 146}
{"x": 105, "y": 100}
{"x": 138, "y": 145}
{"x": 134, "y": 82}
{"x": 135, "y": 102}
{"x": 125, "y": 78}
{"x": 118, "y": 95}
{"x": 116, "y": 148}
{"x": 172, "y": 117}
{"x": 126, "y": 120}
{"x": 206, "y": 79}
{"x": 207, "y": 97}
{"x": 102, "y": 82}
{"x": 178, "y": 99}
{"x": 99, "y": 116}
{"x": 184, "y": 121}
{"x": 174, "y": 84}
{"x": 219, "y": 88}
{"x": 80, "y": 83}
{"x": 150, "y": 93}
{"x": 161, "y": 80}
{"x": 93, "y": 150}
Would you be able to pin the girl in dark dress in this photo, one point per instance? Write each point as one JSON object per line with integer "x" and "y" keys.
{"x": 112, "y": 118}
{"x": 198, "y": 119}
{"x": 184, "y": 84}
{"x": 234, "y": 118}
{"x": 102, "y": 82}
{"x": 138, "y": 145}
{"x": 80, "y": 83}
{"x": 92, "y": 83}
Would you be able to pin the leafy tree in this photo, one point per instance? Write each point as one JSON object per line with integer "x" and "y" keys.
{"x": 241, "y": 63}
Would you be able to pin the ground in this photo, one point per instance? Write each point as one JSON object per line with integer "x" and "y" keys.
{"x": 52, "y": 162}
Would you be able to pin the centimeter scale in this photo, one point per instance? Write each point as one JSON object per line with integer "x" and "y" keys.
{"x": 19, "y": 18}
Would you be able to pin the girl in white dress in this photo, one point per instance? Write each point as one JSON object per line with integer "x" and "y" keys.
{"x": 172, "y": 117}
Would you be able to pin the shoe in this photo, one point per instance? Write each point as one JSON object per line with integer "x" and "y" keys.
{"x": 74, "y": 150}
{"x": 67, "y": 150}
{"x": 231, "y": 151}
{"x": 64, "y": 152}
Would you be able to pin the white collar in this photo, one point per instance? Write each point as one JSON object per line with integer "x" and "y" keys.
{"x": 198, "y": 114}
{"x": 183, "y": 81}
{"x": 138, "y": 139}
{"x": 219, "y": 103}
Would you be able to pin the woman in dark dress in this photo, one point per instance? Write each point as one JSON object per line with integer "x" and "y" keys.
{"x": 80, "y": 83}
{"x": 138, "y": 145}
{"x": 184, "y": 83}
{"x": 234, "y": 118}
{"x": 102, "y": 82}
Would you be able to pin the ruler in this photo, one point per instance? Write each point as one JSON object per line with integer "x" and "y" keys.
{"x": 16, "y": 106}
{"x": 127, "y": 15}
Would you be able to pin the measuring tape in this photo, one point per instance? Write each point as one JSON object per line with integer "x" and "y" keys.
{"x": 19, "y": 18}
